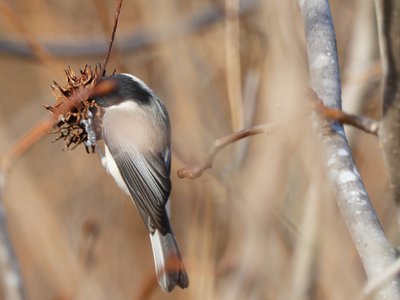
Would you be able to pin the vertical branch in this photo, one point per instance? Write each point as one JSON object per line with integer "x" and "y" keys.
{"x": 102, "y": 13}
{"x": 11, "y": 277}
{"x": 388, "y": 15}
{"x": 232, "y": 54}
{"x": 116, "y": 18}
{"x": 305, "y": 249}
{"x": 362, "y": 49}
{"x": 372, "y": 245}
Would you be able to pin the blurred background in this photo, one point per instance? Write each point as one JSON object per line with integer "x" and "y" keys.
{"x": 263, "y": 222}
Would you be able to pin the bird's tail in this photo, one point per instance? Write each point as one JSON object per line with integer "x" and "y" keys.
{"x": 168, "y": 261}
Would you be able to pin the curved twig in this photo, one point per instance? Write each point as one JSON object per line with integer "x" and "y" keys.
{"x": 192, "y": 172}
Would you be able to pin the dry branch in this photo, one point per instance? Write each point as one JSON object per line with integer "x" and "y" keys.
{"x": 192, "y": 172}
{"x": 358, "y": 213}
{"x": 358, "y": 64}
{"x": 232, "y": 63}
{"x": 102, "y": 13}
{"x": 333, "y": 114}
{"x": 377, "y": 282}
{"x": 116, "y": 18}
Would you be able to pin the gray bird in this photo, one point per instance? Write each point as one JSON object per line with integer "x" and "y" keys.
{"x": 136, "y": 133}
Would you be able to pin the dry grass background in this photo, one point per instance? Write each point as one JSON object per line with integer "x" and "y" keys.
{"x": 262, "y": 224}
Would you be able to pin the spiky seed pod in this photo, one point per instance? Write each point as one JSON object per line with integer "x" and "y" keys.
{"x": 69, "y": 126}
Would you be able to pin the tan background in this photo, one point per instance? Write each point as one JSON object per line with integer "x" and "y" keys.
{"x": 262, "y": 224}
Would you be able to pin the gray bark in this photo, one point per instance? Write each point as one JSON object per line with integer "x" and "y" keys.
{"x": 372, "y": 245}
{"x": 10, "y": 274}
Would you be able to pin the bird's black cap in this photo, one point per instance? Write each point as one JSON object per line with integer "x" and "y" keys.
{"x": 127, "y": 88}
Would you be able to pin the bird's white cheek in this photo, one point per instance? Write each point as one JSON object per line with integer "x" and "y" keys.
{"x": 113, "y": 170}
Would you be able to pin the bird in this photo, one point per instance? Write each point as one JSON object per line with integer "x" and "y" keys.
{"x": 136, "y": 133}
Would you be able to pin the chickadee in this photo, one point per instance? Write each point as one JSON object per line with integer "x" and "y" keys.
{"x": 136, "y": 133}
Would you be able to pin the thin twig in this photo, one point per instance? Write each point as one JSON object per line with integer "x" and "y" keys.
{"x": 116, "y": 18}
{"x": 102, "y": 13}
{"x": 192, "y": 172}
{"x": 375, "y": 283}
{"x": 304, "y": 254}
{"x": 360, "y": 63}
{"x": 232, "y": 61}
{"x": 363, "y": 123}
{"x": 333, "y": 114}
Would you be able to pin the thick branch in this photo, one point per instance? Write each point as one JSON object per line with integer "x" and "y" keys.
{"x": 373, "y": 247}
{"x": 192, "y": 172}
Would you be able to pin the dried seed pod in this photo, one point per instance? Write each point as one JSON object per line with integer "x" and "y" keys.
{"x": 70, "y": 126}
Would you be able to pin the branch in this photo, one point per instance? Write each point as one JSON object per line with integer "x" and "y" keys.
{"x": 360, "y": 62}
{"x": 11, "y": 277}
{"x": 363, "y": 123}
{"x": 232, "y": 63}
{"x": 373, "y": 285}
{"x": 116, "y": 18}
{"x": 192, "y": 172}
{"x": 102, "y": 13}
{"x": 375, "y": 251}
{"x": 388, "y": 13}
{"x": 141, "y": 38}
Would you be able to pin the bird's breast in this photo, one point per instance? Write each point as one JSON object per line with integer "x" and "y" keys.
{"x": 135, "y": 127}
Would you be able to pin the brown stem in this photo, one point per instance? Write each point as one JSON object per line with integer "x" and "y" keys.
{"x": 116, "y": 18}
{"x": 192, "y": 172}
{"x": 102, "y": 13}
{"x": 333, "y": 114}
{"x": 363, "y": 123}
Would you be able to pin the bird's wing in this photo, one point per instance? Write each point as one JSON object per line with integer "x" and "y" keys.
{"x": 145, "y": 171}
